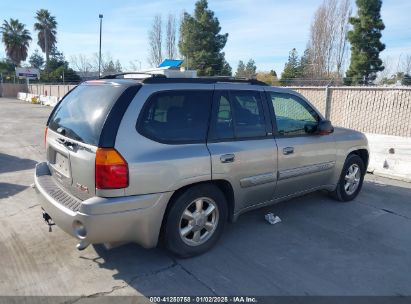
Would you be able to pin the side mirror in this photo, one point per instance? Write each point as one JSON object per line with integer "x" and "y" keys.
{"x": 325, "y": 127}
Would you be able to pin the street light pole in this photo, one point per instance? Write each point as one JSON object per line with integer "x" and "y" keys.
{"x": 99, "y": 52}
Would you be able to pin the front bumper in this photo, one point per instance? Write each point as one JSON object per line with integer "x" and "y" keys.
{"x": 103, "y": 220}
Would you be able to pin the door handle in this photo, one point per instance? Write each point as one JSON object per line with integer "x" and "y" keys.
{"x": 227, "y": 158}
{"x": 288, "y": 150}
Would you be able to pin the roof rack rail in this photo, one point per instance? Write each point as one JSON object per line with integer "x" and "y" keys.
{"x": 111, "y": 76}
{"x": 215, "y": 79}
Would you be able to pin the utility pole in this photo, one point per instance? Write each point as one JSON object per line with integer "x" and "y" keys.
{"x": 99, "y": 51}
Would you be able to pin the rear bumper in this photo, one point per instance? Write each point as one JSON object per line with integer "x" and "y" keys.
{"x": 105, "y": 220}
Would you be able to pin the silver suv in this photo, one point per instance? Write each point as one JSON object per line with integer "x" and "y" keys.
{"x": 135, "y": 160}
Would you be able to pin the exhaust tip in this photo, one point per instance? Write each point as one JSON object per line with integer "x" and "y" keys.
{"x": 82, "y": 245}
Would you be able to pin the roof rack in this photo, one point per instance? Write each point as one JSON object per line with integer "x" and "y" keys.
{"x": 161, "y": 78}
{"x": 216, "y": 79}
{"x": 111, "y": 76}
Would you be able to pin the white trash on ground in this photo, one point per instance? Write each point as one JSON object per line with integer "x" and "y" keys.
{"x": 272, "y": 219}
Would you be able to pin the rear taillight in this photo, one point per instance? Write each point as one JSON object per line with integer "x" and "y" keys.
{"x": 45, "y": 135}
{"x": 111, "y": 169}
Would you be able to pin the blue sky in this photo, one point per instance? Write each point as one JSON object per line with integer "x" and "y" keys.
{"x": 264, "y": 30}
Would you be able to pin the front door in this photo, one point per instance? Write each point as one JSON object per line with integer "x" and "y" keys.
{"x": 305, "y": 158}
{"x": 243, "y": 150}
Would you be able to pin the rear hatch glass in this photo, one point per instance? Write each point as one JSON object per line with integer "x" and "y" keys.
{"x": 74, "y": 133}
{"x": 82, "y": 113}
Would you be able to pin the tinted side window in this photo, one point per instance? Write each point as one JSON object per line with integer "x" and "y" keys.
{"x": 176, "y": 116}
{"x": 222, "y": 121}
{"x": 248, "y": 114}
{"x": 238, "y": 114}
{"x": 293, "y": 115}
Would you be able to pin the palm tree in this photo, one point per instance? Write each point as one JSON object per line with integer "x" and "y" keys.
{"x": 16, "y": 39}
{"x": 46, "y": 26}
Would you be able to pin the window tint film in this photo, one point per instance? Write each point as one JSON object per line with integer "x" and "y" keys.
{"x": 293, "y": 115}
{"x": 222, "y": 122}
{"x": 83, "y": 111}
{"x": 248, "y": 114}
{"x": 177, "y": 116}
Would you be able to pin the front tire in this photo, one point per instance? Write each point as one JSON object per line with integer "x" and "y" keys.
{"x": 351, "y": 179}
{"x": 195, "y": 220}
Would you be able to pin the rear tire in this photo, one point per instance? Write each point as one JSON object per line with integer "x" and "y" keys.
{"x": 351, "y": 179}
{"x": 195, "y": 220}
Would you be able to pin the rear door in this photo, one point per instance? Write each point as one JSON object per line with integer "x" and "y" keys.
{"x": 305, "y": 158}
{"x": 74, "y": 130}
{"x": 243, "y": 151}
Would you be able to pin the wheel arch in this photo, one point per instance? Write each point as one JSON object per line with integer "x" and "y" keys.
{"x": 224, "y": 186}
{"x": 363, "y": 154}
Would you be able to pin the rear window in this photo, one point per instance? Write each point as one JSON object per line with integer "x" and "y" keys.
{"x": 82, "y": 113}
{"x": 176, "y": 116}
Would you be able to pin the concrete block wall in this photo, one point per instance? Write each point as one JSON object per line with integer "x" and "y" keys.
{"x": 57, "y": 90}
{"x": 11, "y": 89}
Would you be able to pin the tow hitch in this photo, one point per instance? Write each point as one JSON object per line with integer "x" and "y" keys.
{"x": 48, "y": 220}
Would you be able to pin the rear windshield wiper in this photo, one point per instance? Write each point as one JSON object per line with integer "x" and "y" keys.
{"x": 66, "y": 142}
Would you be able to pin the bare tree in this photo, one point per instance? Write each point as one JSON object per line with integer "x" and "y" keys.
{"x": 134, "y": 65}
{"x": 108, "y": 64}
{"x": 388, "y": 71}
{"x": 321, "y": 36}
{"x": 155, "y": 42}
{"x": 407, "y": 65}
{"x": 344, "y": 12}
{"x": 328, "y": 44}
{"x": 171, "y": 49}
{"x": 105, "y": 60}
{"x": 81, "y": 63}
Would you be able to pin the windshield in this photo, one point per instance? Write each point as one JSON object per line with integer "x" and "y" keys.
{"x": 82, "y": 113}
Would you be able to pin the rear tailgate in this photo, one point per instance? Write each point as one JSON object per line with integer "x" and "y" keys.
{"x": 72, "y": 164}
{"x": 74, "y": 133}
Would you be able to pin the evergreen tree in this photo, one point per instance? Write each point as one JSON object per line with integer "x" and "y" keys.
{"x": 365, "y": 43}
{"x": 240, "y": 69}
{"x": 226, "y": 71}
{"x": 248, "y": 71}
{"x": 16, "y": 39}
{"x": 306, "y": 66}
{"x": 406, "y": 80}
{"x": 110, "y": 68}
{"x": 118, "y": 66}
{"x": 292, "y": 69}
{"x": 250, "y": 68}
{"x": 46, "y": 26}
{"x": 201, "y": 44}
{"x": 57, "y": 60}
{"x": 36, "y": 60}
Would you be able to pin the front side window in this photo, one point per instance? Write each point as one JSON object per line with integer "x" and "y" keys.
{"x": 176, "y": 116}
{"x": 293, "y": 115}
{"x": 237, "y": 115}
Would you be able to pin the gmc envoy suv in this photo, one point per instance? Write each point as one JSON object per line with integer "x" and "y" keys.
{"x": 174, "y": 159}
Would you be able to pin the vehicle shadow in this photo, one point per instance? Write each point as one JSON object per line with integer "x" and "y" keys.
{"x": 10, "y": 163}
{"x": 7, "y": 189}
{"x": 321, "y": 247}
